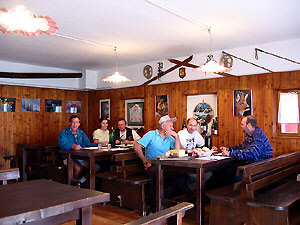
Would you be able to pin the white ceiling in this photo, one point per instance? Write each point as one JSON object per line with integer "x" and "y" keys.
{"x": 144, "y": 32}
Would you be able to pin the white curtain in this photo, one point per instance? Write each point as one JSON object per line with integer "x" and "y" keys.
{"x": 288, "y": 108}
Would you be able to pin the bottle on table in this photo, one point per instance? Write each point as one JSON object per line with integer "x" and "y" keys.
{"x": 184, "y": 125}
{"x": 208, "y": 140}
{"x": 216, "y": 126}
{"x": 111, "y": 137}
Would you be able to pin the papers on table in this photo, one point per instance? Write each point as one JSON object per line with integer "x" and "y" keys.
{"x": 90, "y": 148}
{"x": 174, "y": 158}
{"x": 213, "y": 157}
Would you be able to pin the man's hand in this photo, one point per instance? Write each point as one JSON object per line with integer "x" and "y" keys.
{"x": 146, "y": 165}
{"x": 117, "y": 142}
{"x": 171, "y": 133}
{"x": 76, "y": 147}
{"x": 225, "y": 151}
{"x": 214, "y": 148}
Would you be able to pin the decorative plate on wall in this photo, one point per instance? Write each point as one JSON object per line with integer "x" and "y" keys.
{"x": 148, "y": 71}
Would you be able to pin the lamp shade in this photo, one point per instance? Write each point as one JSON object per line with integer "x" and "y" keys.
{"x": 211, "y": 66}
{"x": 20, "y": 20}
{"x": 116, "y": 78}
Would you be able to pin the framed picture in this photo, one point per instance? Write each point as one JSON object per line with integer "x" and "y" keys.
{"x": 7, "y": 104}
{"x": 161, "y": 105}
{"x": 104, "y": 108}
{"x": 242, "y": 103}
{"x": 73, "y": 106}
{"x": 53, "y": 105}
{"x": 135, "y": 114}
{"x": 30, "y": 105}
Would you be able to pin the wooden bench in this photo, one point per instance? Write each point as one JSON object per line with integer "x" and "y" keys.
{"x": 247, "y": 202}
{"x": 126, "y": 182}
{"x": 9, "y": 174}
{"x": 161, "y": 216}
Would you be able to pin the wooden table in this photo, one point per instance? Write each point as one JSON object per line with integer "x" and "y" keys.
{"x": 197, "y": 166}
{"x": 47, "y": 202}
{"x": 91, "y": 155}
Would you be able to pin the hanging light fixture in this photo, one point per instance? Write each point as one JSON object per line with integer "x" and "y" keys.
{"x": 116, "y": 77}
{"x": 20, "y": 20}
{"x": 211, "y": 65}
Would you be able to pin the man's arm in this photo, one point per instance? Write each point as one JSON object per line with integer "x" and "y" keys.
{"x": 138, "y": 150}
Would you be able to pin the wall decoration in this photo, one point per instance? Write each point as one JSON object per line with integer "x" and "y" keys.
{"x": 7, "y": 104}
{"x": 30, "y": 105}
{"x": 135, "y": 114}
{"x": 104, "y": 107}
{"x": 204, "y": 108}
{"x": 73, "y": 106}
{"x": 242, "y": 103}
{"x": 161, "y": 105}
{"x": 53, "y": 105}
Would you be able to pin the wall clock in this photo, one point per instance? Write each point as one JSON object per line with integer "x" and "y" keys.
{"x": 148, "y": 71}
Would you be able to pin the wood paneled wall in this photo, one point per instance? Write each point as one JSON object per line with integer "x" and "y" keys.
{"x": 44, "y": 127}
{"x": 36, "y": 127}
{"x": 263, "y": 88}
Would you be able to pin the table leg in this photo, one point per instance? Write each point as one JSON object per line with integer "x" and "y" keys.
{"x": 159, "y": 187}
{"x": 92, "y": 172}
{"x": 86, "y": 216}
{"x": 200, "y": 196}
{"x": 70, "y": 169}
{"x": 24, "y": 164}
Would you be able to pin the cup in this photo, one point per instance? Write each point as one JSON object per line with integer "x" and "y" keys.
{"x": 108, "y": 147}
{"x": 99, "y": 146}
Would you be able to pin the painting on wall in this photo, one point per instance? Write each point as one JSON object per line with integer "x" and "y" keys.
{"x": 73, "y": 106}
{"x": 135, "y": 114}
{"x": 104, "y": 108}
{"x": 161, "y": 105}
{"x": 242, "y": 103}
{"x": 53, "y": 105}
{"x": 30, "y": 105}
{"x": 7, "y": 104}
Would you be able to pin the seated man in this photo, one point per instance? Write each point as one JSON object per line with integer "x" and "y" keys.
{"x": 256, "y": 147}
{"x": 73, "y": 138}
{"x": 124, "y": 134}
{"x": 190, "y": 138}
{"x": 157, "y": 142}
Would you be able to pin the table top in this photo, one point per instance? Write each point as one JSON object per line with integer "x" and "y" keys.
{"x": 38, "y": 199}
{"x": 96, "y": 152}
{"x": 201, "y": 162}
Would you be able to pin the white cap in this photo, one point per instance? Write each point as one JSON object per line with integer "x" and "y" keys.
{"x": 165, "y": 119}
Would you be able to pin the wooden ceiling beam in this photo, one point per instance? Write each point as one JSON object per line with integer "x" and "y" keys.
{"x": 39, "y": 75}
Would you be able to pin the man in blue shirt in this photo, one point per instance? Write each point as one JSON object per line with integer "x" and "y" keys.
{"x": 73, "y": 138}
{"x": 157, "y": 142}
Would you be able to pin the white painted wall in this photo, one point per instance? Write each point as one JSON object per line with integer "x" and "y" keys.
{"x": 92, "y": 79}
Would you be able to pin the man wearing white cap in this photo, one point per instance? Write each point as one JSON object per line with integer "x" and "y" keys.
{"x": 157, "y": 142}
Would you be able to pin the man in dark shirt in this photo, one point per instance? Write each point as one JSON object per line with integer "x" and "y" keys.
{"x": 256, "y": 145}
{"x": 124, "y": 134}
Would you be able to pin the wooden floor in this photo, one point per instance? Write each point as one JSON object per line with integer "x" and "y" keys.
{"x": 114, "y": 215}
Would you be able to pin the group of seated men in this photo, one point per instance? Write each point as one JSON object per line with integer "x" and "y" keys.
{"x": 255, "y": 147}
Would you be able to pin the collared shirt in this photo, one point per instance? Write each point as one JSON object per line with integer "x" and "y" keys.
{"x": 75, "y": 135}
{"x": 256, "y": 147}
{"x": 155, "y": 145}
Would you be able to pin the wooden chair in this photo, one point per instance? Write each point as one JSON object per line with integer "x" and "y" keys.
{"x": 9, "y": 174}
{"x": 161, "y": 216}
{"x": 126, "y": 182}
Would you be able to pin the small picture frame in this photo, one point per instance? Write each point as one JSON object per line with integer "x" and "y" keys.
{"x": 73, "y": 106}
{"x": 242, "y": 103}
{"x": 104, "y": 108}
{"x": 161, "y": 105}
{"x": 30, "y": 105}
{"x": 52, "y": 105}
{"x": 135, "y": 113}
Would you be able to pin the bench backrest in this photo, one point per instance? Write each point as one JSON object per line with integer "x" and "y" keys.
{"x": 128, "y": 164}
{"x": 161, "y": 216}
{"x": 268, "y": 173}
